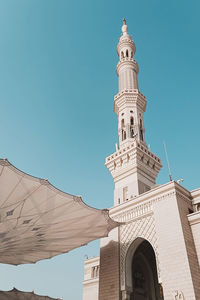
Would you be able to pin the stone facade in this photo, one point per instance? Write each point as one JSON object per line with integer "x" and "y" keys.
{"x": 91, "y": 278}
{"x": 155, "y": 253}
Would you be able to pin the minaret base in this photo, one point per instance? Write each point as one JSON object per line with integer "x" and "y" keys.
{"x": 134, "y": 169}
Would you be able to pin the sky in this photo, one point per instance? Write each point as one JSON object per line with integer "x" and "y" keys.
{"x": 57, "y": 82}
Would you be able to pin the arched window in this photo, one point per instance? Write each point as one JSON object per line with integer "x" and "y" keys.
{"x": 122, "y": 123}
{"x": 132, "y": 121}
{"x": 132, "y": 133}
{"x": 124, "y": 135}
{"x": 126, "y": 53}
{"x": 122, "y": 54}
{"x": 141, "y": 134}
{"x": 141, "y": 131}
{"x": 132, "y": 54}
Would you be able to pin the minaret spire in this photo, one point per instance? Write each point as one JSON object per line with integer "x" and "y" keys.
{"x": 133, "y": 167}
{"x": 131, "y": 124}
{"x": 124, "y": 27}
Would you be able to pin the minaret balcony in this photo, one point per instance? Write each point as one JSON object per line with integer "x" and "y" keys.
{"x": 133, "y": 97}
{"x": 125, "y": 42}
{"x": 131, "y": 158}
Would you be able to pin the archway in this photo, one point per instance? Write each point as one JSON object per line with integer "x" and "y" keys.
{"x": 141, "y": 272}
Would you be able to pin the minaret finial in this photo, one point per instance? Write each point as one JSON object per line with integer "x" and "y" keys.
{"x": 124, "y": 27}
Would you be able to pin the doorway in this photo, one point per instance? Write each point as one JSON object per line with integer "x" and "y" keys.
{"x": 145, "y": 284}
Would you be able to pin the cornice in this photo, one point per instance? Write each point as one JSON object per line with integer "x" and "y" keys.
{"x": 132, "y": 158}
{"x": 156, "y": 194}
{"x": 126, "y": 42}
{"x": 91, "y": 260}
{"x": 91, "y": 281}
{"x": 139, "y": 210}
{"x": 194, "y": 218}
{"x": 132, "y": 96}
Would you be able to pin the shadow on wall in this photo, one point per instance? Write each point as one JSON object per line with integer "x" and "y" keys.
{"x": 141, "y": 279}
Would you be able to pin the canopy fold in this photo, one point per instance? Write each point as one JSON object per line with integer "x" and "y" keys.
{"x": 39, "y": 221}
{"x": 15, "y": 294}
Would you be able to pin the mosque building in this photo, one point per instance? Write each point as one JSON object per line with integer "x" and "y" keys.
{"x": 155, "y": 253}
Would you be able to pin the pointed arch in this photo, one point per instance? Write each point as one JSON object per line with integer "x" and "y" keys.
{"x": 141, "y": 269}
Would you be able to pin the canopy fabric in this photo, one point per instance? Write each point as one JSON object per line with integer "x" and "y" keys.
{"x": 15, "y": 294}
{"x": 39, "y": 221}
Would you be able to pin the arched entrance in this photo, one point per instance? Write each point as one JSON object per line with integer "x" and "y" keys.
{"x": 141, "y": 271}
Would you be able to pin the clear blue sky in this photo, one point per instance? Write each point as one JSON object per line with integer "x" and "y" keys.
{"x": 57, "y": 82}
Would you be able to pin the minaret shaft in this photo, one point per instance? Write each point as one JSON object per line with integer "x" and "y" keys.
{"x": 133, "y": 167}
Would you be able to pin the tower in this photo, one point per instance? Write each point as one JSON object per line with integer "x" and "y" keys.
{"x": 155, "y": 252}
{"x": 133, "y": 166}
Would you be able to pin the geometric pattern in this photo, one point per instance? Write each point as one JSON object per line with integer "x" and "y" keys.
{"x": 143, "y": 227}
{"x": 39, "y": 221}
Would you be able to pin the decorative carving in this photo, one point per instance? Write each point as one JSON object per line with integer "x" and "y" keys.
{"x": 140, "y": 210}
{"x": 136, "y": 212}
{"x": 178, "y": 295}
{"x": 183, "y": 197}
{"x": 142, "y": 227}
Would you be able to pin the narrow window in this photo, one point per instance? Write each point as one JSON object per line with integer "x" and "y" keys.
{"x": 122, "y": 123}
{"x": 141, "y": 134}
{"x": 132, "y": 133}
{"x": 125, "y": 193}
{"x": 124, "y": 135}
{"x": 122, "y": 54}
{"x": 126, "y": 53}
{"x": 97, "y": 271}
{"x": 141, "y": 131}
{"x": 132, "y": 121}
{"x": 93, "y": 269}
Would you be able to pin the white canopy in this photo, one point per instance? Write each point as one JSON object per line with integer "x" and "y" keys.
{"x": 15, "y": 294}
{"x": 38, "y": 221}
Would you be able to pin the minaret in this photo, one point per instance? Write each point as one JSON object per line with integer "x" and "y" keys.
{"x": 133, "y": 167}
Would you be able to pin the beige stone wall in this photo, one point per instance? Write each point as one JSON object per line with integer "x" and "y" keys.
{"x": 175, "y": 247}
{"x": 91, "y": 279}
{"x": 91, "y": 290}
{"x": 109, "y": 267}
{"x": 184, "y": 206}
{"x": 161, "y": 217}
{"x": 196, "y": 235}
{"x": 194, "y": 220}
